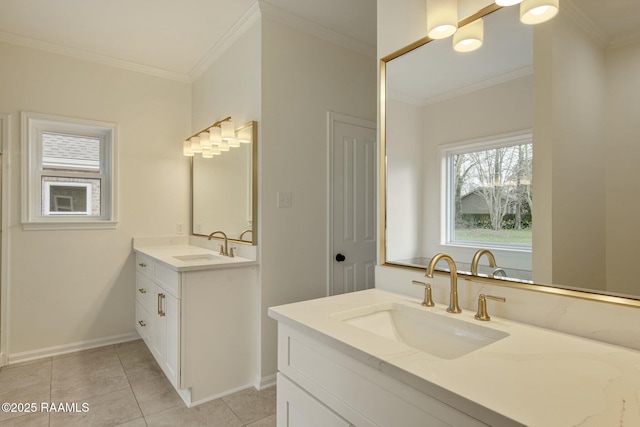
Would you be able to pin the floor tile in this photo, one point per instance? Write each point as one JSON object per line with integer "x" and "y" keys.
{"x": 109, "y": 409}
{"x": 134, "y": 354}
{"x": 27, "y": 420}
{"x": 31, "y": 392}
{"x": 270, "y": 421}
{"x": 24, "y": 374}
{"x": 215, "y": 413}
{"x": 156, "y": 396}
{"x": 251, "y": 405}
{"x": 145, "y": 373}
{"x": 84, "y": 363}
{"x": 77, "y": 388}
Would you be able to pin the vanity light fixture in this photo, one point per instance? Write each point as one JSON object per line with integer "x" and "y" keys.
{"x": 217, "y": 138}
{"x": 442, "y": 18}
{"x": 538, "y": 11}
{"x": 469, "y": 37}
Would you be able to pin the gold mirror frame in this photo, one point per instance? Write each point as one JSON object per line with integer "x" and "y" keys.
{"x": 254, "y": 189}
{"x": 549, "y": 289}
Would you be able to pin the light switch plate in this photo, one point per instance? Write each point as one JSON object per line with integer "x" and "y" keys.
{"x": 284, "y": 199}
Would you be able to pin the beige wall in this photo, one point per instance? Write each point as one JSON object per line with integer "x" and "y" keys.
{"x": 303, "y": 77}
{"x": 67, "y": 287}
{"x": 578, "y": 193}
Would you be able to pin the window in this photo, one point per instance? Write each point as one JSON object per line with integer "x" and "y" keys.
{"x": 488, "y": 192}
{"x": 68, "y": 172}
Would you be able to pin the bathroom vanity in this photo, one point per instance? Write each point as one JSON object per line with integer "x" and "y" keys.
{"x": 196, "y": 311}
{"x": 375, "y": 358}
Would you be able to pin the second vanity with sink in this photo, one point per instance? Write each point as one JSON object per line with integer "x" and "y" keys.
{"x": 375, "y": 358}
{"x": 196, "y": 311}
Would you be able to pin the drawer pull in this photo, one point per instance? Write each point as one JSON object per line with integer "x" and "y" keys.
{"x": 142, "y": 264}
{"x": 142, "y": 291}
{"x": 142, "y": 323}
{"x": 161, "y": 312}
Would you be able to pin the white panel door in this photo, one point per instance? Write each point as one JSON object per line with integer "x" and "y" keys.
{"x": 353, "y": 205}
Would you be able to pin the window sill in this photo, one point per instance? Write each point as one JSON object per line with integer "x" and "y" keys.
{"x": 69, "y": 225}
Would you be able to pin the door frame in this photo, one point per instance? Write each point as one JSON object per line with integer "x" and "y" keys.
{"x": 332, "y": 118}
{"x": 5, "y": 122}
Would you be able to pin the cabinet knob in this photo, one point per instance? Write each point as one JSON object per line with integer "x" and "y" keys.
{"x": 142, "y": 291}
{"x": 340, "y": 258}
{"x": 141, "y": 323}
{"x": 142, "y": 264}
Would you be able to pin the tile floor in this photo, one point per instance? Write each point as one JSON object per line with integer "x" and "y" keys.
{"x": 123, "y": 386}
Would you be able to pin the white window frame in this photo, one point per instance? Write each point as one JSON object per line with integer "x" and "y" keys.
{"x": 448, "y": 199}
{"x": 47, "y": 197}
{"x": 33, "y": 125}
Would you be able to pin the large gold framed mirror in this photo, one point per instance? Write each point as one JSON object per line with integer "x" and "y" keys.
{"x": 555, "y": 105}
{"x": 224, "y": 190}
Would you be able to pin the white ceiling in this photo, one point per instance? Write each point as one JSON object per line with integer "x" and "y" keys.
{"x": 164, "y": 36}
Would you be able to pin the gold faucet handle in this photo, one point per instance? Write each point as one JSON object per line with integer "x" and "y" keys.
{"x": 482, "y": 306}
{"x": 221, "y": 250}
{"x": 428, "y": 300}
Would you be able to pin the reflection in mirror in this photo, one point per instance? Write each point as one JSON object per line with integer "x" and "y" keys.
{"x": 224, "y": 190}
{"x": 570, "y": 215}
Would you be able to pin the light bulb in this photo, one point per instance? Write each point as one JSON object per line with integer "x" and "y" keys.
{"x": 214, "y": 135}
{"x": 186, "y": 148}
{"x": 195, "y": 145}
{"x": 205, "y": 143}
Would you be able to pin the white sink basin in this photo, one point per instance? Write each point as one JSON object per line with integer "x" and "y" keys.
{"x": 440, "y": 335}
{"x": 198, "y": 257}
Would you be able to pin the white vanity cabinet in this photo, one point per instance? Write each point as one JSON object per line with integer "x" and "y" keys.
{"x": 199, "y": 324}
{"x": 318, "y": 382}
{"x": 158, "y": 314}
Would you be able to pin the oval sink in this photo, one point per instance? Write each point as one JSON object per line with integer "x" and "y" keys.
{"x": 440, "y": 335}
{"x": 197, "y": 257}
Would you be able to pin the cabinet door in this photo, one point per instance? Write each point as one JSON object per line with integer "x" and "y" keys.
{"x": 297, "y": 408}
{"x": 171, "y": 319}
{"x": 166, "y": 343}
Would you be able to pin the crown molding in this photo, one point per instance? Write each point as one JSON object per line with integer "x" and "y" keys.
{"x": 585, "y": 22}
{"x": 303, "y": 25}
{"x": 246, "y": 21}
{"x": 503, "y": 78}
{"x": 91, "y": 57}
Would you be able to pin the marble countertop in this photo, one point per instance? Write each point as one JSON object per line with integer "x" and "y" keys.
{"x": 167, "y": 254}
{"x": 534, "y": 376}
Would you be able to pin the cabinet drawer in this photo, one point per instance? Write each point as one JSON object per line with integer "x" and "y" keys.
{"x": 144, "y": 324}
{"x": 144, "y": 265}
{"x": 358, "y": 392}
{"x": 167, "y": 278}
{"x": 145, "y": 292}
{"x": 297, "y": 408}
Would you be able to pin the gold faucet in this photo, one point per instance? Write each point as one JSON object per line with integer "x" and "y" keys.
{"x": 245, "y": 232}
{"x": 223, "y": 249}
{"x": 476, "y": 260}
{"x": 453, "y": 271}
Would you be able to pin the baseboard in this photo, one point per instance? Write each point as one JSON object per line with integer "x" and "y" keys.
{"x": 265, "y": 382}
{"x": 3, "y": 359}
{"x": 69, "y": 348}
{"x": 210, "y": 398}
